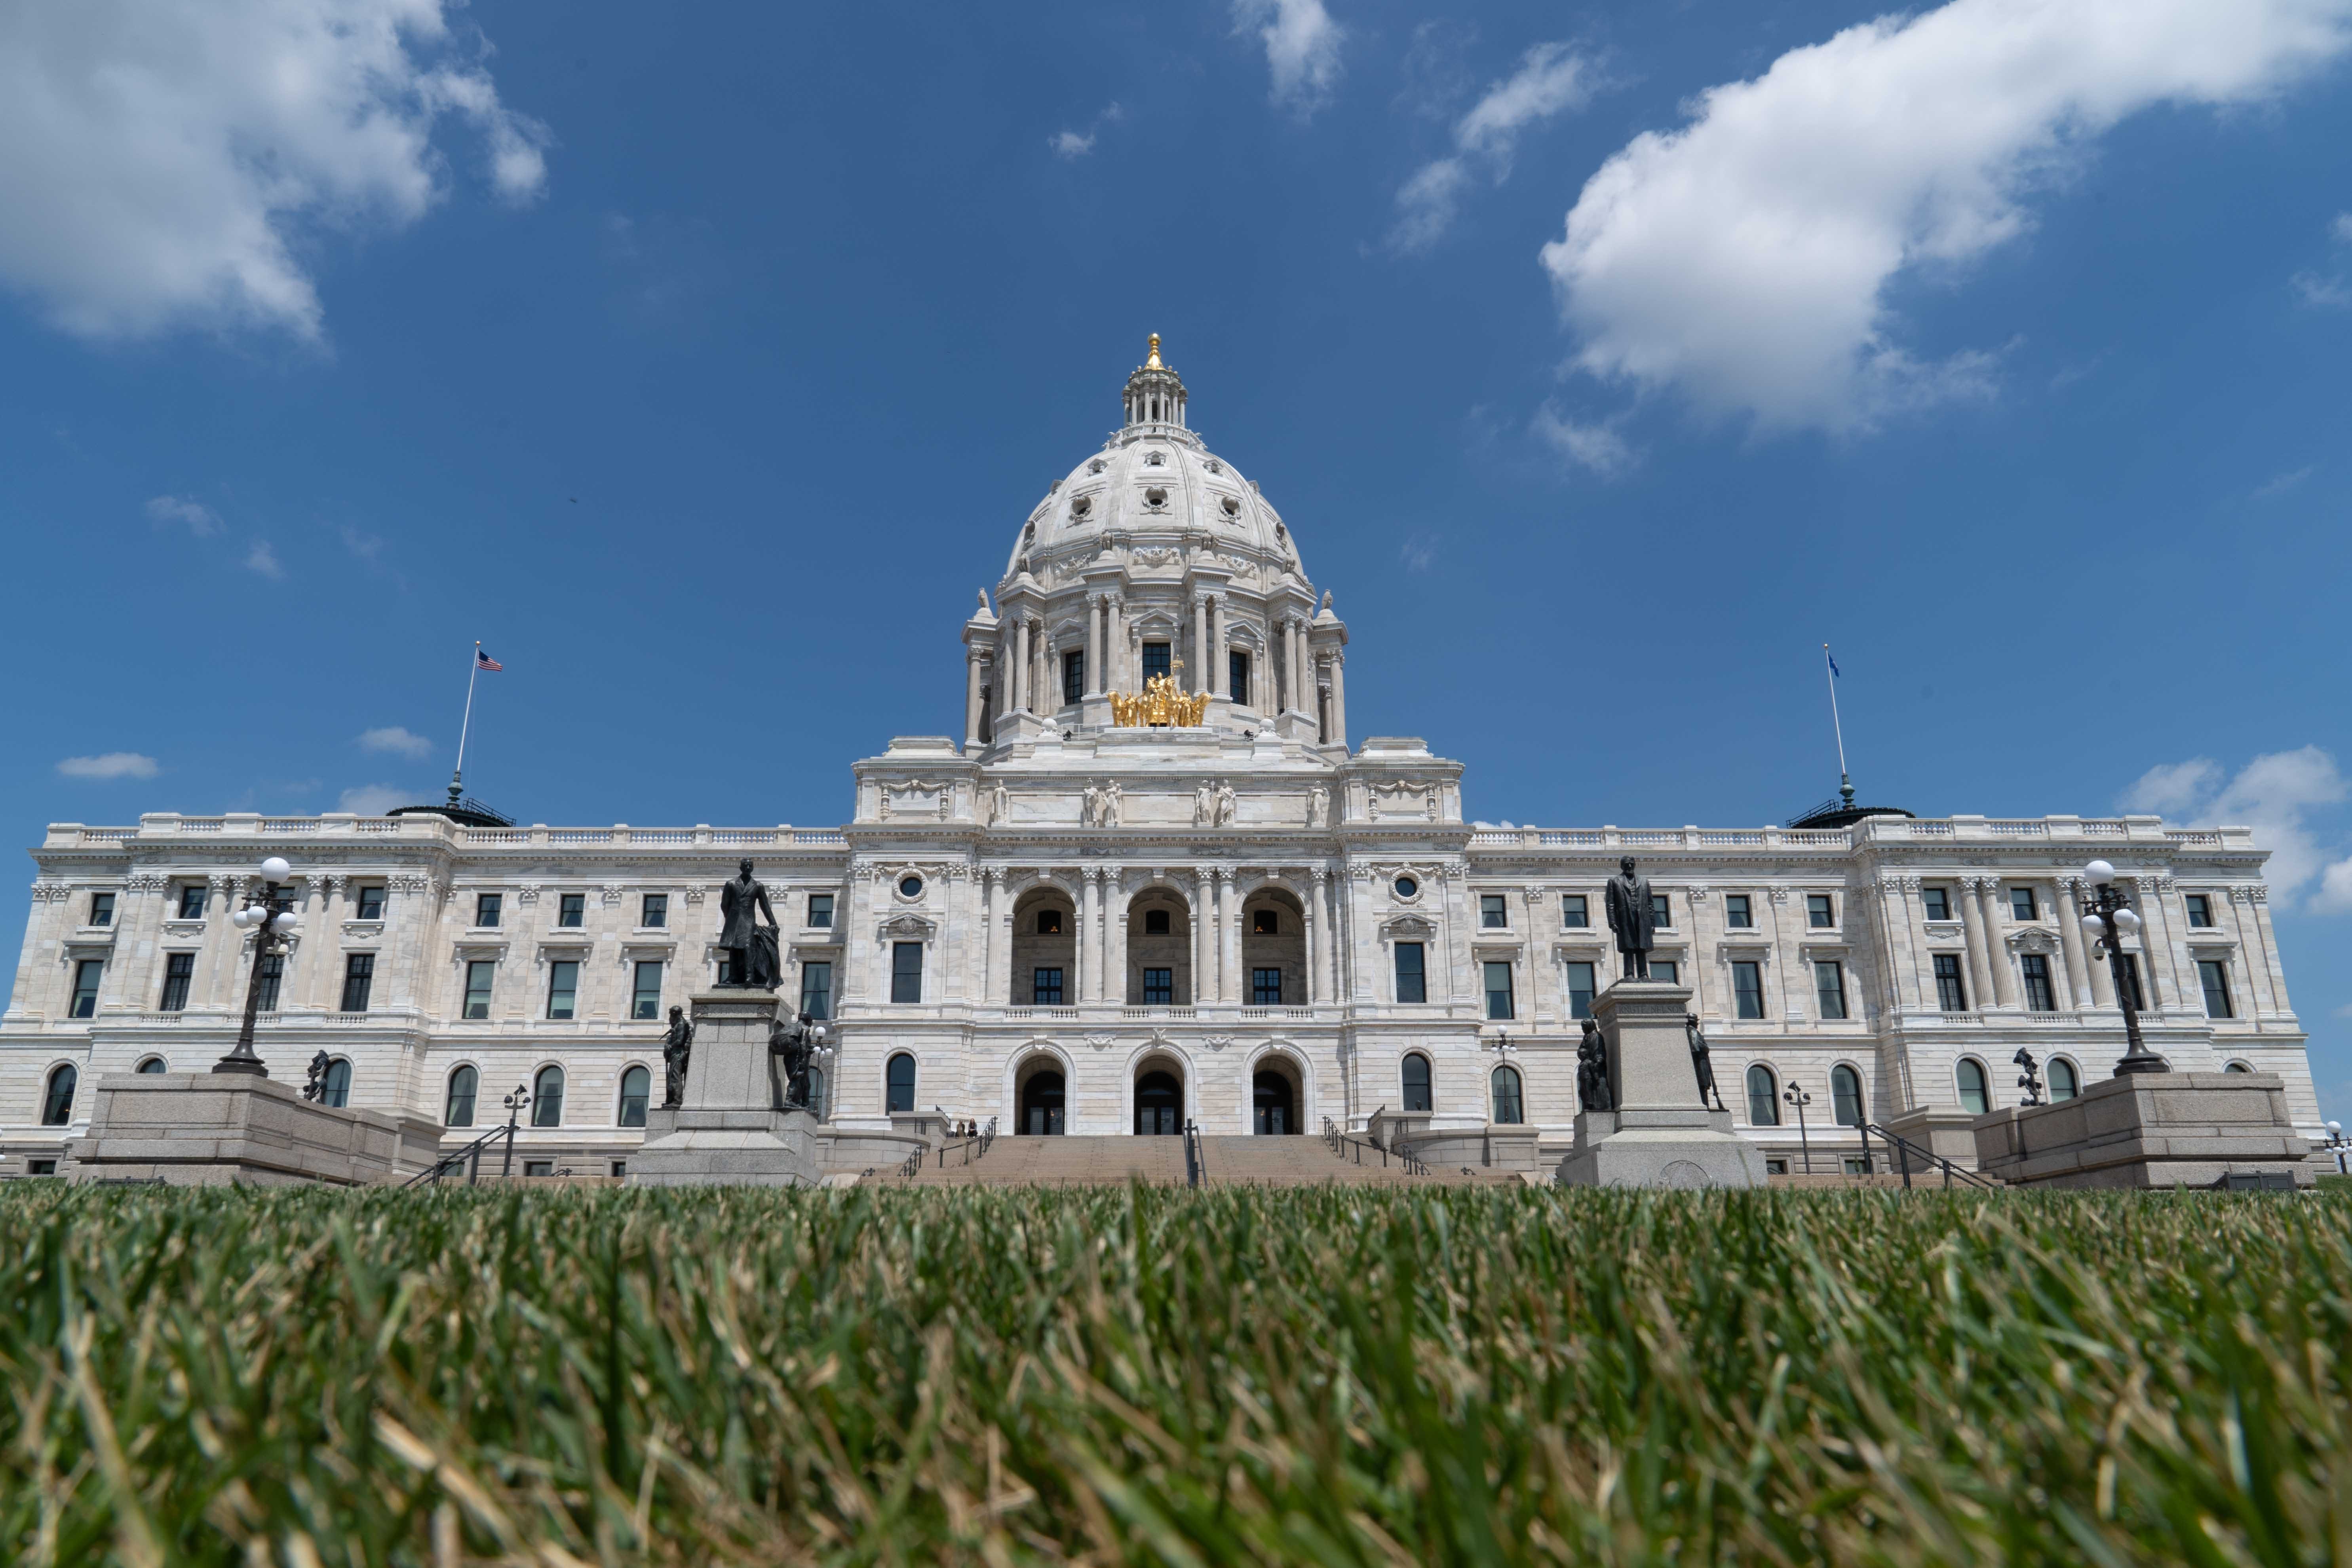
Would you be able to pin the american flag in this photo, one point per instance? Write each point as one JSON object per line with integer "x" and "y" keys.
{"x": 484, "y": 661}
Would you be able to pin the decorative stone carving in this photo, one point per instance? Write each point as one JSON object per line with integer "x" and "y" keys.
{"x": 145, "y": 882}
{"x": 1217, "y": 1041}
{"x": 1397, "y": 797}
{"x": 525, "y": 892}
{"x": 1318, "y": 806}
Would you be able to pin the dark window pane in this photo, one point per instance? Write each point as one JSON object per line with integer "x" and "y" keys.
{"x": 547, "y": 1098}
{"x": 1265, "y": 922}
{"x": 645, "y": 1001}
{"x": 101, "y": 908}
{"x": 1049, "y": 922}
{"x": 1951, "y": 992}
{"x": 335, "y": 1089}
{"x": 1662, "y": 908}
{"x": 1845, "y": 1096}
{"x": 1580, "y": 990}
{"x": 1818, "y": 910}
{"x": 636, "y": 1087}
{"x": 902, "y": 1083}
{"x": 1411, "y": 985}
{"x": 179, "y": 974}
{"x": 2039, "y": 996}
{"x": 656, "y": 911}
{"x": 1936, "y": 903}
{"x": 1574, "y": 912}
{"x": 192, "y": 903}
{"x": 273, "y": 975}
{"x": 1045, "y": 987}
{"x": 2201, "y": 910}
{"x": 1747, "y": 988}
{"x": 819, "y": 911}
{"x": 816, "y": 990}
{"x": 907, "y": 971}
{"x": 1829, "y": 987}
{"x": 2063, "y": 1085}
{"x": 56, "y": 1102}
{"x": 562, "y": 988}
{"x": 1666, "y": 969}
{"x": 87, "y": 975}
{"x": 1159, "y": 988}
{"x": 371, "y": 903}
{"x": 1155, "y": 922}
{"x": 2023, "y": 905}
{"x": 1265, "y": 987}
{"x": 1738, "y": 912}
{"x": 1763, "y": 1097}
{"x": 1073, "y": 675}
{"x": 2215, "y": 977}
{"x": 1155, "y": 659}
{"x": 1971, "y": 1081}
{"x": 1508, "y": 1110}
{"x": 462, "y": 1085}
{"x": 571, "y": 907}
{"x": 1492, "y": 914}
{"x": 481, "y": 973}
{"x": 1416, "y": 1083}
{"x": 1498, "y": 990}
{"x": 1237, "y": 674}
{"x": 486, "y": 913}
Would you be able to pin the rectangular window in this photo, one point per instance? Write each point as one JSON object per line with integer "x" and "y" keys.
{"x": 1411, "y": 981}
{"x": 358, "y": 979}
{"x": 2201, "y": 910}
{"x": 819, "y": 911}
{"x": 572, "y": 908}
{"x": 1829, "y": 985}
{"x": 1575, "y": 912}
{"x": 87, "y": 975}
{"x": 1738, "y": 913}
{"x": 1155, "y": 659}
{"x": 1937, "y": 902}
{"x": 1580, "y": 990}
{"x": 1158, "y": 987}
{"x": 1821, "y": 914}
{"x": 1498, "y": 990}
{"x": 2023, "y": 905}
{"x": 905, "y": 972}
{"x": 488, "y": 907}
{"x": 1662, "y": 911}
{"x": 101, "y": 908}
{"x": 368, "y": 902}
{"x": 1155, "y": 922}
{"x": 1747, "y": 988}
{"x": 1073, "y": 675}
{"x": 1045, "y": 987}
{"x": 179, "y": 973}
{"x": 2127, "y": 979}
{"x": 1237, "y": 673}
{"x": 1492, "y": 915}
{"x": 1666, "y": 969}
{"x": 816, "y": 990}
{"x": 538, "y": 1167}
{"x": 562, "y": 988}
{"x": 192, "y": 902}
{"x": 2214, "y": 975}
{"x": 2039, "y": 996}
{"x": 480, "y": 975}
{"x": 644, "y": 1002}
{"x": 1951, "y": 991}
{"x": 656, "y": 913}
{"x": 1265, "y": 987}
{"x": 273, "y": 972}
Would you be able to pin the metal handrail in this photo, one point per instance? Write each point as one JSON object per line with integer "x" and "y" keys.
{"x": 1339, "y": 1143}
{"x": 970, "y": 1148}
{"x": 911, "y": 1165}
{"x": 1904, "y": 1149}
{"x": 471, "y": 1157}
{"x": 1196, "y": 1158}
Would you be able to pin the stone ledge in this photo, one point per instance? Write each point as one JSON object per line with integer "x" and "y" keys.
{"x": 2148, "y": 1130}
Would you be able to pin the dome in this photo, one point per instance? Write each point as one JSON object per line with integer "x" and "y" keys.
{"x": 1151, "y": 496}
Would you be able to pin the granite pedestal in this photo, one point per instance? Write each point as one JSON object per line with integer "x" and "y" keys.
{"x": 2148, "y": 1130}
{"x": 204, "y": 1129}
{"x": 1660, "y": 1135}
{"x": 728, "y": 1130}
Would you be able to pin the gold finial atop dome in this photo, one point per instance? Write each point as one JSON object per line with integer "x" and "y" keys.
{"x": 1154, "y": 363}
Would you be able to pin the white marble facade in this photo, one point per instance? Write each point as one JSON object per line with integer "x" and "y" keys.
{"x": 1257, "y": 864}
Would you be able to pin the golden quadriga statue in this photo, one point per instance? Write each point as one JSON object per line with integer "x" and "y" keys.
{"x": 1159, "y": 703}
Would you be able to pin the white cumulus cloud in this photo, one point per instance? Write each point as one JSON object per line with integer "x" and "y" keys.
{"x": 396, "y": 741}
{"x": 1745, "y": 258}
{"x": 373, "y": 800}
{"x": 201, "y": 520}
{"x": 1595, "y": 446}
{"x": 162, "y": 162}
{"x": 262, "y": 559}
{"x": 1302, "y": 49}
{"x": 1552, "y": 78}
{"x": 112, "y": 766}
{"x": 2273, "y": 794}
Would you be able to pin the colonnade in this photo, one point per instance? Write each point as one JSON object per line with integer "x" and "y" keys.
{"x": 1103, "y": 902}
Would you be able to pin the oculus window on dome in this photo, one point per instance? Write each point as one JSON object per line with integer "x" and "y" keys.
{"x": 911, "y": 886}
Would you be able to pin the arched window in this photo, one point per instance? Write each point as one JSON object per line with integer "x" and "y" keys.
{"x": 902, "y": 1083}
{"x": 1763, "y": 1100}
{"x": 335, "y": 1089}
{"x": 2063, "y": 1083}
{"x": 1845, "y": 1096}
{"x": 1510, "y": 1110}
{"x": 2237, "y": 1066}
{"x": 153, "y": 1064}
{"x": 1973, "y": 1098}
{"x": 56, "y": 1105}
{"x": 462, "y": 1085}
{"x": 637, "y": 1087}
{"x": 547, "y": 1098}
{"x": 1416, "y": 1083}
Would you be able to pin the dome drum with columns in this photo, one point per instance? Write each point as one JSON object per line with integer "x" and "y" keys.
{"x": 1073, "y": 924}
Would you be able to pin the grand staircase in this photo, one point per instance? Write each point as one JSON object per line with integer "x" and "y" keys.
{"x": 1058, "y": 1162}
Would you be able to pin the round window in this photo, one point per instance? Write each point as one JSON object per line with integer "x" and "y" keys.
{"x": 1155, "y": 497}
{"x": 1233, "y": 505}
{"x": 911, "y": 886}
{"x": 1406, "y": 887}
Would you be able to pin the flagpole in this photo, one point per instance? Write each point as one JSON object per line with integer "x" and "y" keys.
{"x": 1837, "y": 726}
{"x": 473, "y": 673}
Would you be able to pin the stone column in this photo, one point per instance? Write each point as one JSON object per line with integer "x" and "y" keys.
{"x": 2258, "y": 915}
{"x": 1302, "y": 698}
{"x": 992, "y": 881}
{"x": 1315, "y": 939}
{"x": 1229, "y": 936}
{"x": 1089, "y": 943}
{"x": 2004, "y": 975}
{"x": 1200, "y": 640}
{"x": 1110, "y": 978}
{"x": 1203, "y": 970}
{"x": 1094, "y": 681}
{"x": 1118, "y": 678}
{"x": 971, "y": 700}
{"x": 1339, "y": 736}
{"x": 2070, "y": 936}
{"x": 1972, "y": 923}
{"x": 1324, "y": 902}
{"x": 2155, "y": 934}
{"x": 1021, "y": 664}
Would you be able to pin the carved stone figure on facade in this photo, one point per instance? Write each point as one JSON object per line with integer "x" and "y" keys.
{"x": 1227, "y": 807}
{"x": 1113, "y": 807}
{"x": 1318, "y": 806}
{"x": 1632, "y": 920}
{"x": 677, "y": 1049}
{"x": 1592, "y": 1069}
{"x": 1204, "y": 806}
{"x": 998, "y": 806}
{"x": 314, "y": 1087}
{"x": 1090, "y": 809}
{"x": 752, "y": 958}
{"x": 1702, "y": 1061}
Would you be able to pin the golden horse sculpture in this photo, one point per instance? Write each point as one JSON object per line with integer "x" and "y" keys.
{"x": 1159, "y": 703}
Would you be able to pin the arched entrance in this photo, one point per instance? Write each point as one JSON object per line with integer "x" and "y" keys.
{"x": 1040, "y": 1099}
{"x": 1274, "y": 1103}
{"x": 1159, "y": 1104}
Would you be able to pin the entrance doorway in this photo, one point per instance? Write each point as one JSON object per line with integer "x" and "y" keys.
{"x": 1041, "y": 1105}
{"x": 1159, "y": 1105}
{"x": 1274, "y": 1103}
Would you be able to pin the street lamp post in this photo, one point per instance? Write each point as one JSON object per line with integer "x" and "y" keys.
{"x": 514, "y": 1104}
{"x": 1798, "y": 1098}
{"x": 271, "y": 918}
{"x": 2109, "y": 920}
{"x": 2339, "y": 1143}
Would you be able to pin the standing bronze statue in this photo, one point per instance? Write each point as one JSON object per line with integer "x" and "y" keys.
{"x": 1592, "y": 1071}
{"x": 1702, "y": 1060}
{"x": 1632, "y": 920}
{"x": 751, "y": 947}
{"x": 794, "y": 1045}
{"x": 677, "y": 1049}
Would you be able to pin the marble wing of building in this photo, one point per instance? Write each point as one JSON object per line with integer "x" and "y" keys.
{"x": 1155, "y": 880}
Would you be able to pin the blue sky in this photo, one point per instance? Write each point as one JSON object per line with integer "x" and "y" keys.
{"x": 1606, "y": 360}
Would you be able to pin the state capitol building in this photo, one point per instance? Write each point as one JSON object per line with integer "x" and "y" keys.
{"x": 1156, "y": 880}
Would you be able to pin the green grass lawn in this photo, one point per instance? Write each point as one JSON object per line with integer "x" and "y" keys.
{"x": 1314, "y": 1375}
